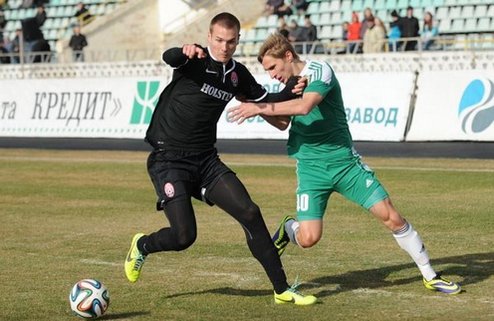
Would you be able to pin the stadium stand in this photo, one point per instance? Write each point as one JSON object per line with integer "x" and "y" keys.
{"x": 463, "y": 25}
{"x": 60, "y": 16}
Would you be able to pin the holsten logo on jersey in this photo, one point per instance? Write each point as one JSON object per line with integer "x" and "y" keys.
{"x": 145, "y": 101}
{"x": 216, "y": 93}
{"x": 476, "y": 108}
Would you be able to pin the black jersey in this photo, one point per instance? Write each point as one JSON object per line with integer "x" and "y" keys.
{"x": 190, "y": 106}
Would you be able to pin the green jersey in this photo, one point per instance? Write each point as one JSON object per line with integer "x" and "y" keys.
{"x": 323, "y": 133}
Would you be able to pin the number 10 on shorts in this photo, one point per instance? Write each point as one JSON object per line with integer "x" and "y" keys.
{"x": 302, "y": 202}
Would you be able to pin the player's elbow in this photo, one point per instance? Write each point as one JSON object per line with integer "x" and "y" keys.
{"x": 174, "y": 57}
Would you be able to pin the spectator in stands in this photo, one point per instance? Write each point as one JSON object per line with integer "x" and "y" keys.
{"x": 14, "y": 47}
{"x": 77, "y": 43}
{"x": 300, "y": 6}
{"x": 4, "y": 53}
{"x": 410, "y": 29}
{"x": 37, "y": 3}
{"x": 3, "y": 21}
{"x": 33, "y": 3}
{"x": 353, "y": 34}
{"x": 375, "y": 36}
{"x": 310, "y": 29}
{"x": 344, "y": 30}
{"x": 42, "y": 51}
{"x": 368, "y": 15}
{"x": 379, "y": 23}
{"x": 272, "y": 6}
{"x": 40, "y": 15}
{"x": 31, "y": 28}
{"x": 344, "y": 37}
{"x": 283, "y": 26}
{"x": 27, "y": 3}
{"x": 278, "y": 7}
{"x": 307, "y": 36}
{"x": 82, "y": 14}
{"x": 429, "y": 31}
{"x": 394, "y": 31}
{"x": 296, "y": 34}
{"x": 284, "y": 33}
{"x": 284, "y": 10}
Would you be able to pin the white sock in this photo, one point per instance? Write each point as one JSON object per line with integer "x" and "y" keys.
{"x": 409, "y": 240}
{"x": 291, "y": 228}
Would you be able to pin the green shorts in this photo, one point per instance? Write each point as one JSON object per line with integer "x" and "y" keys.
{"x": 318, "y": 179}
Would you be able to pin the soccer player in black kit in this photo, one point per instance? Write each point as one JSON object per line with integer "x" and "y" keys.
{"x": 185, "y": 162}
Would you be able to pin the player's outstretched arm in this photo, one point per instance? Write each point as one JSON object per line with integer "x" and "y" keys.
{"x": 287, "y": 108}
{"x": 176, "y": 57}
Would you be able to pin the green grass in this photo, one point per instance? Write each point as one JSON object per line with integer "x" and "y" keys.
{"x": 70, "y": 215}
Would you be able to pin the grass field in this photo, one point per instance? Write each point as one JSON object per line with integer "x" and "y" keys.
{"x": 68, "y": 215}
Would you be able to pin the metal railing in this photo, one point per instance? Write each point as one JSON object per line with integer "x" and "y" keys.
{"x": 336, "y": 47}
{"x": 244, "y": 50}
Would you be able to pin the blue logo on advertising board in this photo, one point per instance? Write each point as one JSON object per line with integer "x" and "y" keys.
{"x": 476, "y": 109}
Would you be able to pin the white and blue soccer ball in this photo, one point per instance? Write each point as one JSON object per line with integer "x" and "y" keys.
{"x": 89, "y": 299}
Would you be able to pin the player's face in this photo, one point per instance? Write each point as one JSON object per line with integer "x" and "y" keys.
{"x": 222, "y": 42}
{"x": 278, "y": 68}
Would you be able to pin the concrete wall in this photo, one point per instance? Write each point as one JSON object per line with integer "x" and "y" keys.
{"x": 133, "y": 26}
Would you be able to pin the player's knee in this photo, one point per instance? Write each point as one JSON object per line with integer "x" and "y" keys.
{"x": 252, "y": 212}
{"x": 389, "y": 216}
{"x": 307, "y": 240}
{"x": 184, "y": 240}
{"x": 393, "y": 220}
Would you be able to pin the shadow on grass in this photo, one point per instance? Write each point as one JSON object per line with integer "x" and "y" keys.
{"x": 124, "y": 315}
{"x": 225, "y": 290}
{"x": 466, "y": 269}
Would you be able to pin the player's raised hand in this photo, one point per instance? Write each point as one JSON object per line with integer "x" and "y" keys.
{"x": 242, "y": 112}
{"x": 192, "y": 50}
{"x": 298, "y": 89}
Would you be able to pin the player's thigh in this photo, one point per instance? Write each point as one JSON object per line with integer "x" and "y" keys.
{"x": 313, "y": 191}
{"x": 171, "y": 181}
{"x": 229, "y": 193}
{"x": 359, "y": 184}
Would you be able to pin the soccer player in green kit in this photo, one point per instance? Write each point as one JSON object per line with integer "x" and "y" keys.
{"x": 320, "y": 141}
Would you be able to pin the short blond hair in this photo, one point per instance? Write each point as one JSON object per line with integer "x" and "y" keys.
{"x": 276, "y": 45}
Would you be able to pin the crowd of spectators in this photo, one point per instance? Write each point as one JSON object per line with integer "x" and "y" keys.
{"x": 285, "y": 8}
{"x": 295, "y": 32}
{"x": 30, "y": 38}
{"x": 365, "y": 33}
{"x": 371, "y": 35}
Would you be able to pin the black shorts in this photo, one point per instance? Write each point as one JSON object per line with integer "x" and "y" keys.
{"x": 179, "y": 174}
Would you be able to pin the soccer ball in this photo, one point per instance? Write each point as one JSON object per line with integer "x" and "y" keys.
{"x": 89, "y": 298}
